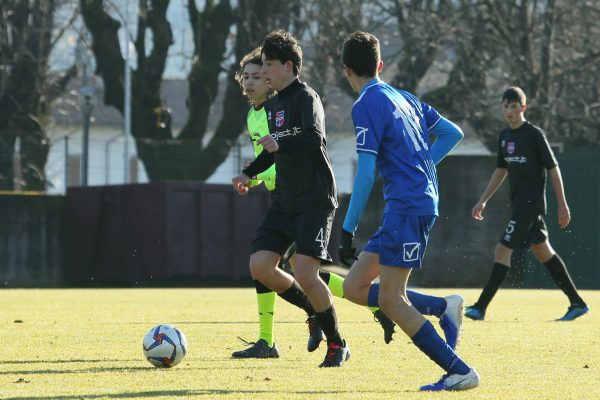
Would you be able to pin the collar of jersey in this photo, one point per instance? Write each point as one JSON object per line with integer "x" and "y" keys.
{"x": 290, "y": 88}
{"x": 372, "y": 82}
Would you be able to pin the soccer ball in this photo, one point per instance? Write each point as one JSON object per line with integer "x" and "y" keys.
{"x": 164, "y": 346}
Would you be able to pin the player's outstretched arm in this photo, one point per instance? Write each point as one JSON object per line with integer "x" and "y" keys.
{"x": 495, "y": 181}
{"x": 564, "y": 214}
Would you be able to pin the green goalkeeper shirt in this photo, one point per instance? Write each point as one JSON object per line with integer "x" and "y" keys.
{"x": 257, "y": 128}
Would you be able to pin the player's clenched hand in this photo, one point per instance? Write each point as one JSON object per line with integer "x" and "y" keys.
{"x": 477, "y": 211}
{"x": 346, "y": 252}
{"x": 240, "y": 184}
{"x": 268, "y": 143}
{"x": 564, "y": 216}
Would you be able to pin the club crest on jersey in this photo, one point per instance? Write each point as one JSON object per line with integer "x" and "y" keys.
{"x": 279, "y": 119}
{"x": 510, "y": 147}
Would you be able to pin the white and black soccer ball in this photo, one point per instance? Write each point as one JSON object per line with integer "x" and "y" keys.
{"x": 164, "y": 346}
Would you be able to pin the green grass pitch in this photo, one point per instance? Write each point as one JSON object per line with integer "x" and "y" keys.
{"x": 86, "y": 344}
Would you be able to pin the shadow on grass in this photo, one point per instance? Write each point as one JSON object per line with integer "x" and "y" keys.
{"x": 76, "y": 371}
{"x": 233, "y": 322}
{"x": 59, "y": 361}
{"x": 101, "y": 370}
{"x": 184, "y": 393}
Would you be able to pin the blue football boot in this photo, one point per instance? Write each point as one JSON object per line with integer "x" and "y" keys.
{"x": 574, "y": 312}
{"x": 474, "y": 313}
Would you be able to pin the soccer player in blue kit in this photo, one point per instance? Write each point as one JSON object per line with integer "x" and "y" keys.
{"x": 393, "y": 130}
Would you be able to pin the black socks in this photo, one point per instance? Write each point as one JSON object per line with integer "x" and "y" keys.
{"x": 558, "y": 271}
{"x": 491, "y": 287}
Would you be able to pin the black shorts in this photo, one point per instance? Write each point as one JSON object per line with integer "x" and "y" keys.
{"x": 309, "y": 229}
{"x": 523, "y": 229}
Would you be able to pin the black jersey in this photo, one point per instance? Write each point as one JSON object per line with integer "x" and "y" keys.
{"x": 304, "y": 178}
{"x": 526, "y": 155}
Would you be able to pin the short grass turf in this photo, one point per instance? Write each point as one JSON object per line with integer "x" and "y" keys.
{"x": 86, "y": 344}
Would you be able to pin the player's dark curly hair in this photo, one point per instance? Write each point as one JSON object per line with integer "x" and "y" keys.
{"x": 514, "y": 94}
{"x": 361, "y": 53}
{"x": 251, "y": 58}
{"x": 281, "y": 45}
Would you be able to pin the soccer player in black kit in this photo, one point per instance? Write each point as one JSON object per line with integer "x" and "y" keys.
{"x": 525, "y": 155}
{"x": 305, "y": 197}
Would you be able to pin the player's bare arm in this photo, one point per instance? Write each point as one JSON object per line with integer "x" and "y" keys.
{"x": 495, "y": 181}
{"x": 563, "y": 212}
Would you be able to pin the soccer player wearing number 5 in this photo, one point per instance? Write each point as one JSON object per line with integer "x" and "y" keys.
{"x": 524, "y": 155}
{"x": 393, "y": 130}
{"x": 304, "y": 199}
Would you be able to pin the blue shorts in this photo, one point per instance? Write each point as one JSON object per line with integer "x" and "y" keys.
{"x": 401, "y": 240}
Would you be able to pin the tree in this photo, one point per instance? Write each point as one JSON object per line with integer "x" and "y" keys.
{"x": 216, "y": 27}
{"x": 545, "y": 47}
{"x": 333, "y": 21}
{"x": 28, "y": 33}
{"x": 424, "y": 26}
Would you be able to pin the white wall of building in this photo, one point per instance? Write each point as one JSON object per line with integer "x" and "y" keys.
{"x": 106, "y": 158}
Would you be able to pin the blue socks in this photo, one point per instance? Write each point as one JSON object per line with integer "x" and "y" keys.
{"x": 426, "y": 305}
{"x": 430, "y": 343}
{"x": 427, "y": 339}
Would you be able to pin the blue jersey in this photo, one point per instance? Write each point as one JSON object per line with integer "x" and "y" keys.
{"x": 394, "y": 125}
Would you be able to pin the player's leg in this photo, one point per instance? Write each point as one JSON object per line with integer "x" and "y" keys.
{"x": 401, "y": 248}
{"x": 394, "y": 301}
{"x": 263, "y": 265}
{"x": 265, "y": 299}
{"x": 311, "y": 233}
{"x": 335, "y": 283}
{"x": 448, "y": 309}
{"x": 260, "y": 263}
{"x": 360, "y": 288}
{"x": 499, "y": 271}
{"x": 270, "y": 243}
{"x": 267, "y": 247}
{"x": 315, "y": 333}
{"x": 518, "y": 233}
{"x": 307, "y": 274}
{"x": 557, "y": 269}
{"x": 265, "y": 346}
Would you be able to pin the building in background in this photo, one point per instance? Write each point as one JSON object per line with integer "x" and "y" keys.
{"x": 106, "y": 141}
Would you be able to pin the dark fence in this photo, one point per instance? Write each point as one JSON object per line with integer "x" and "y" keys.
{"x": 578, "y": 244}
{"x": 31, "y": 240}
{"x": 190, "y": 233}
{"x": 186, "y": 232}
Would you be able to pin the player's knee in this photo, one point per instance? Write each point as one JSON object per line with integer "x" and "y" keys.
{"x": 305, "y": 278}
{"x": 503, "y": 254}
{"x": 390, "y": 303}
{"x": 258, "y": 268}
{"x": 350, "y": 289}
{"x": 543, "y": 252}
